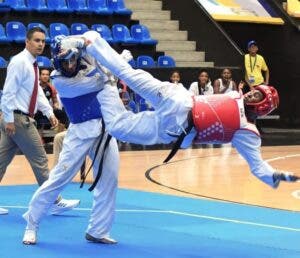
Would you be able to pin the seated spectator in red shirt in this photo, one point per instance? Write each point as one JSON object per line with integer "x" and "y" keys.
{"x": 125, "y": 96}
{"x": 51, "y": 95}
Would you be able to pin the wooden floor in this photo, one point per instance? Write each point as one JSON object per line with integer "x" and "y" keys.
{"x": 218, "y": 173}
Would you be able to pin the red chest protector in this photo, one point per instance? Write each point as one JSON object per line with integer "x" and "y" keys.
{"x": 216, "y": 118}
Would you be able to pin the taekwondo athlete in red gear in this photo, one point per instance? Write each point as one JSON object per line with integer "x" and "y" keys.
{"x": 172, "y": 106}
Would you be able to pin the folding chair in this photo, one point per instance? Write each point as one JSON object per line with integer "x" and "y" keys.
{"x": 16, "y": 31}
{"x": 44, "y": 62}
{"x": 118, "y": 7}
{"x": 78, "y": 28}
{"x": 121, "y": 34}
{"x": 141, "y": 34}
{"x": 58, "y": 29}
{"x": 99, "y": 7}
{"x": 104, "y": 31}
{"x": 165, "y": 61}
{"x": 145, "y": 61}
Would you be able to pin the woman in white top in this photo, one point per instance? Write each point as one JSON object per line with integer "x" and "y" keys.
{"x": 175, "y": 78}
{"x": 203, "y": 85}
{"x": 224, "y": 84}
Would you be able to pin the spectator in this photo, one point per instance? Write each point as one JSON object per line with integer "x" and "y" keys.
{"x": 49, "y": 90}
{"x": 203, "y": 85}
{"x": 175, "y": 78}
{"x": 225, "y": 83}
{"x": 51, "y": 94}
{"x": 125, "y": 96}
{"x": 255, "y": 65}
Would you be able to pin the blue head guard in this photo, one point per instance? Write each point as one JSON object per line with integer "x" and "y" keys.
{"x": 66, "y": 57}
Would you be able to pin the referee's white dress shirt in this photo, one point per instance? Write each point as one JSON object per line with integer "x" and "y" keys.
{"x": 18, "y": 88}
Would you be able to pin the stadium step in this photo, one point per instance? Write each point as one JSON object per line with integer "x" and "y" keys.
{"x": 194, "y": 64}
{"x": 151, "y": 15}
{"x": 158, "y": 25}
{"x": 164, "y": 45}
{"x": 171, "y": 40}
{"x": 144, "y": 5}
{"x": 169, "y": 35}
{"x": 186, "y": 55}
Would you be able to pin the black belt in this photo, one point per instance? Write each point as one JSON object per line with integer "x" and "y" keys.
{"x": 99, "y": 173}
{"x": 21, "y": 113}
{"x": 179, "y": 141}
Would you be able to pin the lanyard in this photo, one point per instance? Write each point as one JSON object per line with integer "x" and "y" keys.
{"x": 252, "y": 67}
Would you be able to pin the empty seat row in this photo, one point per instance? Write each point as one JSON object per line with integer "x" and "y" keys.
{"x": 102, "y": 7}
{"x": 142, "y": 61}
{"x": 119, "y": 33}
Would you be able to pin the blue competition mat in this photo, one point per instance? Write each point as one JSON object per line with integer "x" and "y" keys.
{"x": 152, "y": 225}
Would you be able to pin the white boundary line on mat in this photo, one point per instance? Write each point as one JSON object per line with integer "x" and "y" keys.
{"x": 296, "y": 193}
{"x": 235, "y": 221}
{"x": 185, "y": 214}
{"x": 283, "y": 157}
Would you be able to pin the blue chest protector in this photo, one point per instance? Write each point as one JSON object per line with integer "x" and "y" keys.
{"x": 82, "y": 108}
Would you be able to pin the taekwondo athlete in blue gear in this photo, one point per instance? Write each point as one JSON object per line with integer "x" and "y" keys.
{"x": 172, "y": 106}
{"x": 78, "y": 82}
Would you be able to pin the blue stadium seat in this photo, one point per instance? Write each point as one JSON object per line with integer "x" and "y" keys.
{"x": 144, "y": 61}
{"x": 38, "y": 6}
{"x": 141, "y": 34}
{"x": 132, "y": 62}
{"x": 79, "y": 6}
{"x": 104, "y": 31}
{"x": 132, "y": 106}
{"x": 42, "y": 26}
{"x": 18, "y": 5}
{"x": 143, "y": 105}
{"x": 121, "y": 34}
{"x": 16, "y": 31}
{"x": 4, "y": 7}
{"x": 44, "y": 61}
{"x": 118, "y": 7}
{"x": 78, "y": 28}
{"x": 59, "y": 6}
{"x": 99, "y": 7}
{"x": 165, "y": 61}
{"x": 58, "y": 29}
{"x": 3, "y": 62}
{"x": 3, "y": 37}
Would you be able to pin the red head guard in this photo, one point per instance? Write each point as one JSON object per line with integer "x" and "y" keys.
{"x": 268, "y": 104}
